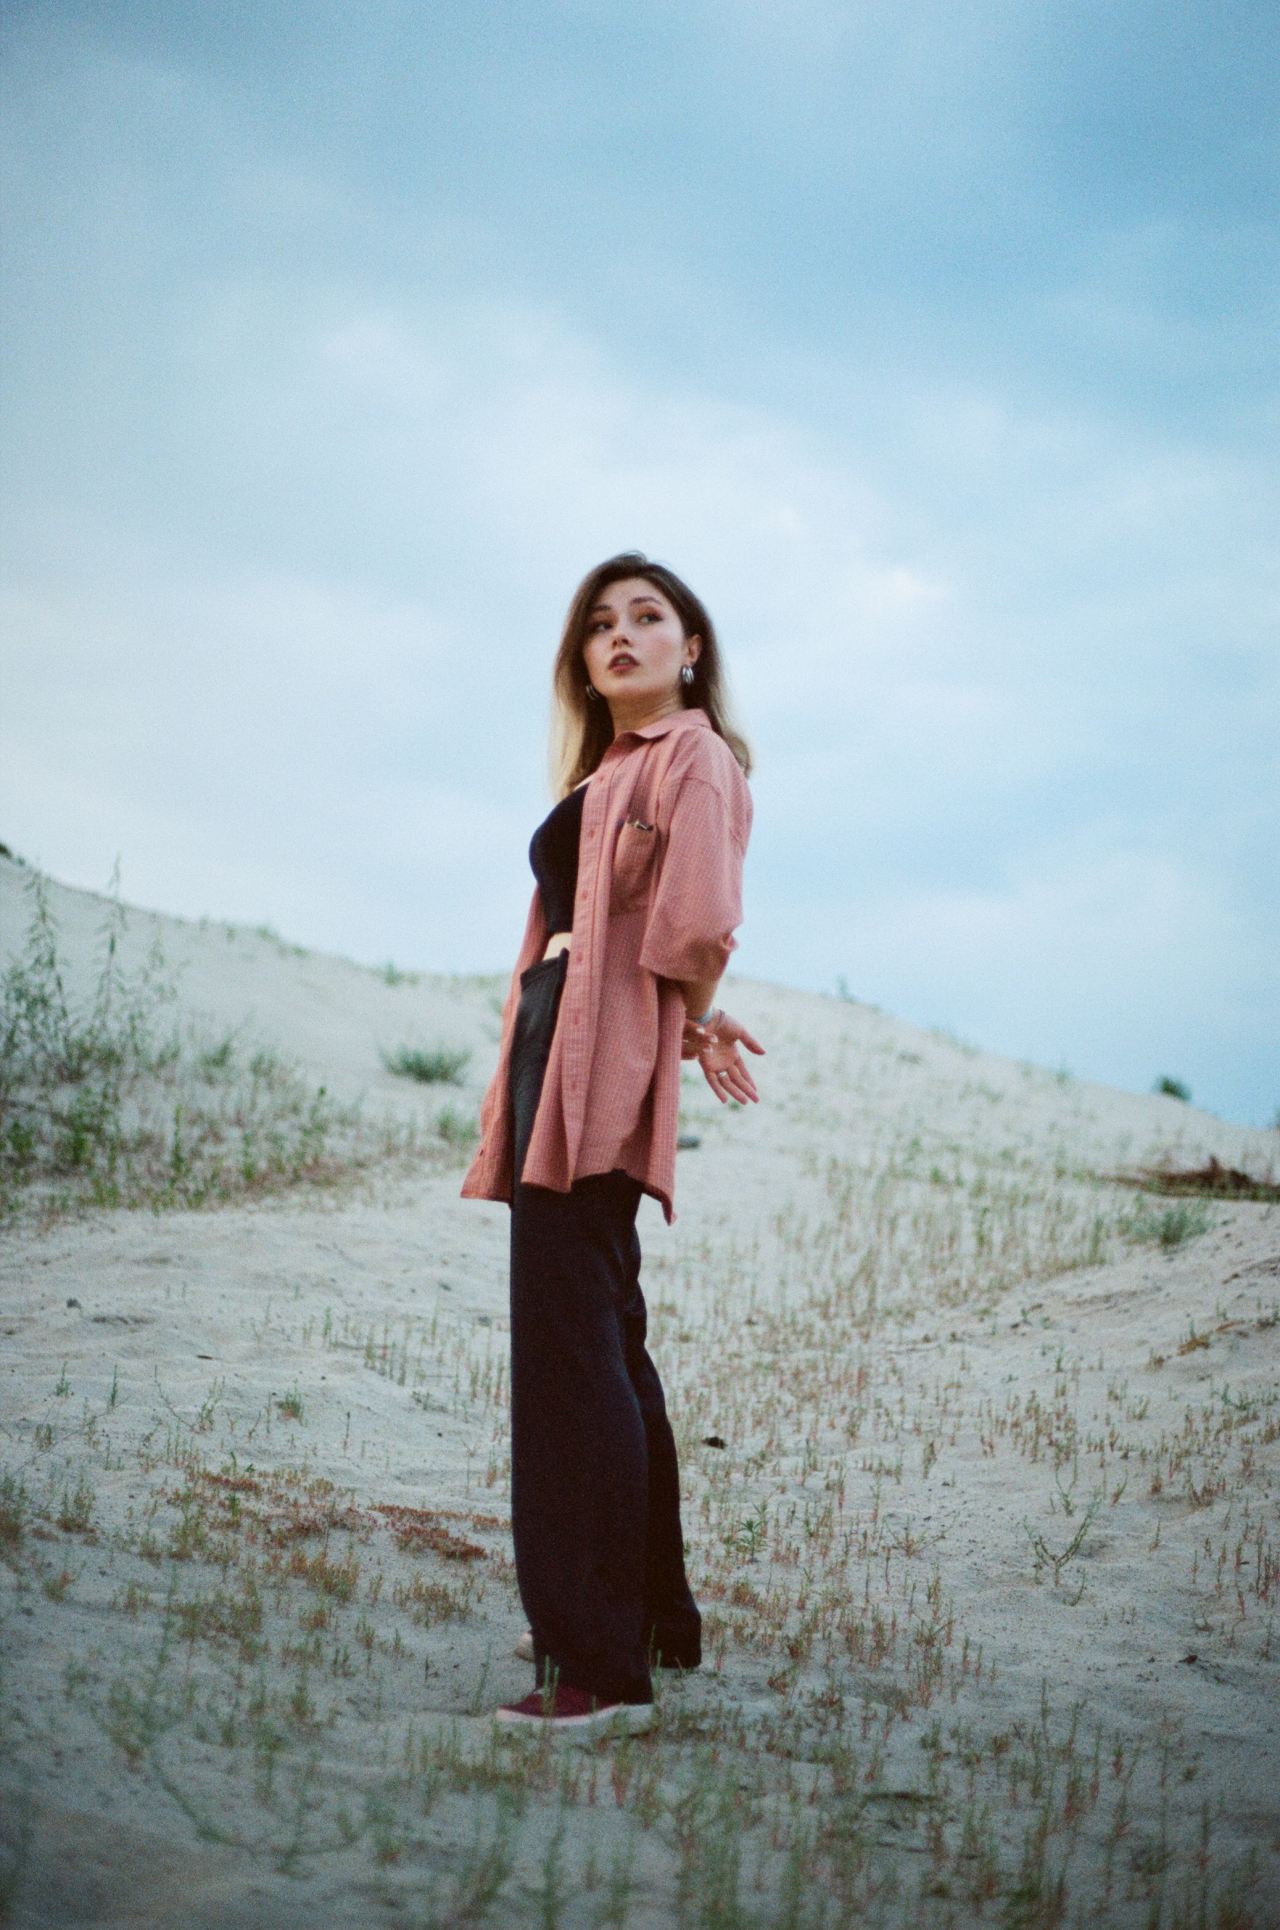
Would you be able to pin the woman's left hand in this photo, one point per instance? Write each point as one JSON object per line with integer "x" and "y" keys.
{"x": 716, "y": 1050}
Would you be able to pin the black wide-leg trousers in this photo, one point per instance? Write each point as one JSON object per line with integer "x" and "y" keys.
{"x": 595, "y": 1485}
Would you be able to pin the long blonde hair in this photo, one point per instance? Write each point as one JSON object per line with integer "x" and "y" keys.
{"x": 582, "y": 730}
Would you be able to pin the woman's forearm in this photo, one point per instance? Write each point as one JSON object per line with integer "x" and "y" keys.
{"x": 699, "y": 995}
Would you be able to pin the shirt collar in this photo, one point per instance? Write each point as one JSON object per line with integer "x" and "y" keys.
{"x": 692, "y": 716}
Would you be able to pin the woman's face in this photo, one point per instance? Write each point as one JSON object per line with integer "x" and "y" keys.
{"x": 635, "y": 645}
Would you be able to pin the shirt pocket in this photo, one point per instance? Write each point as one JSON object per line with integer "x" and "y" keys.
{"x": 633, "y": 861}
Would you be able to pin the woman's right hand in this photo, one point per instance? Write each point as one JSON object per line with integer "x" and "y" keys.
{"x": 722, "y": 1064}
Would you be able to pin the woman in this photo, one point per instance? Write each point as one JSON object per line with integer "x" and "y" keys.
{"x": 639, "y": 888}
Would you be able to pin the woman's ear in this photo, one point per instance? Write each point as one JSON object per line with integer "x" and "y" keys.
{"x": 695, "y": 644}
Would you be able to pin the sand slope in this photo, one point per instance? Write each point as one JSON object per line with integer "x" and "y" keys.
{"x": 239, "y": 1688}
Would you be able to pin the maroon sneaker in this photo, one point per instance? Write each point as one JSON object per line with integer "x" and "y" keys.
{"x": 575, "y": 1712}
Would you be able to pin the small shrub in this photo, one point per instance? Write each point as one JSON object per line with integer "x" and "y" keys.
{"x": 1057, "y": 1558}
{"x": 430, "y": 1602}
{"x": 458, "y": 1130}
{"x": 75, "y": 1512}
{"x": 1171, "y": 1225}
{"x": 14, "y": 1508}
{"x": 271, "y": 936}
{"x": 1172, "y": 1088}
{"x": 442, "y": 1065}
{"x": 328, "y": 1577}
{"x": 217, "y": 1061}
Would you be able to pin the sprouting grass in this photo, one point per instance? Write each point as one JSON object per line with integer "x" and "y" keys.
{"x": 109, "y": 1101}
{"x": 217, "y": 1061}
{"x": 15, "y": 1505}
{"x": 1170, "y": 1226}
{"x": 458, "y": 1130}
{"x": 438, "y": 1065}
{"x": 75, "y": 1512}
{"x": 1057, "y": 1559}
{"x": 271, "y": 936}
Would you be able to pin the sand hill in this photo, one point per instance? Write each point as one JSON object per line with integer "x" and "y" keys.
{"x": 980, "y": 1451}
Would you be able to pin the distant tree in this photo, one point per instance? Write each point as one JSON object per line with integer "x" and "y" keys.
{"x": 1172, "y": 1088}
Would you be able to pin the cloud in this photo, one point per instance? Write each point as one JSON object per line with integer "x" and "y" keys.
{"x": 336, "y": 365}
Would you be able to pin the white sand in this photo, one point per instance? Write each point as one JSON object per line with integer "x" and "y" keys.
{"x": 864, "y": 1297}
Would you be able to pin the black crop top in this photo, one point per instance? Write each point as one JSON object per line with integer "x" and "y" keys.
{"x": 554, "y": 857}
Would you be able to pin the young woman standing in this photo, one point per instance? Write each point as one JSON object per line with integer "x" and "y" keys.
{"x": 639, "y": 889}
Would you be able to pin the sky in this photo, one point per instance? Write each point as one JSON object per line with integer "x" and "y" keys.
{"x": 935, "y": 346}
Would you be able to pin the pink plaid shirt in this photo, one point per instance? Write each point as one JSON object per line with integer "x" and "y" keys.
{"x": 665, "y": 824}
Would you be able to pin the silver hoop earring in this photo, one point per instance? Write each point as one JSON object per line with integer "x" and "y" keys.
{"x": 686, "y": 674}
{"x": 592, "y": 692}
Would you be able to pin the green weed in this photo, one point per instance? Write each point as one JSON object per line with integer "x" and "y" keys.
{"x": 107, "y": 1101}
{"x": 458, "y": 1130}
{"x": 1170, "y": 1226}
{"x": 441, "y": 1065}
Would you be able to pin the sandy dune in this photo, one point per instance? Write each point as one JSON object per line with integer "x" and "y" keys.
{"x": 989, "y": 1554}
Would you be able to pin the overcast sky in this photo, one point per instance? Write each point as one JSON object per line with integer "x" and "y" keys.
{"x": 934, "y": 344}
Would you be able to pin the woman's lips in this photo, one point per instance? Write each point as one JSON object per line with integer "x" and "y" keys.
{"x": 622, "y": 663}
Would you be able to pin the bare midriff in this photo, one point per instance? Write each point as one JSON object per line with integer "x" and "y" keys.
{"x": 558, "y": 942}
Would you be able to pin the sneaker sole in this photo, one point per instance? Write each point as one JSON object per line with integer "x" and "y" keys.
{"x": 625, "y": 1718}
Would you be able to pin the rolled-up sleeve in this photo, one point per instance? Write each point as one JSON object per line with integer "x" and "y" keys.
{"x": 697, "y": 901}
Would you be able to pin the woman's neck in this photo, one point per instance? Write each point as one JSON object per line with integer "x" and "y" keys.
{"x": 628, "y": 717}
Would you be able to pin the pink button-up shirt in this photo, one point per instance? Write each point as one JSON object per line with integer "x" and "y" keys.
{"x": 665, "y": 823}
